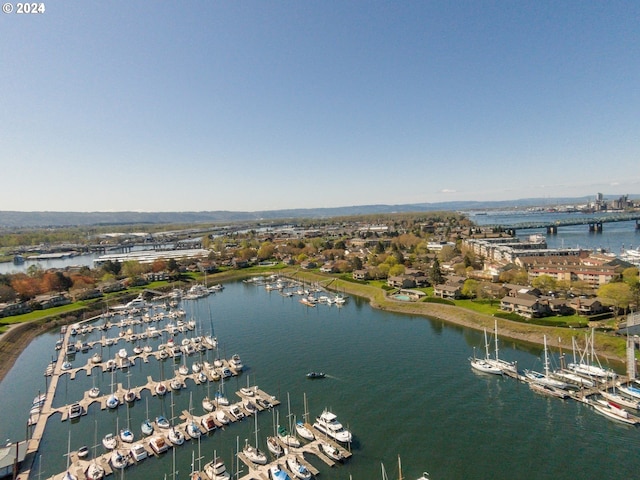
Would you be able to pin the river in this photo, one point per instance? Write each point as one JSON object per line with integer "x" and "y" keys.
{"x": 402, "y": 384}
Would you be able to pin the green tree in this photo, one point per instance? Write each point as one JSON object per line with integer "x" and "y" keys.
{"x": 545, "y": 283}
{"x": 470, "y": 288}
{"x": 435, "y": 275}
{"x": 396, "y": 270}
{"x": 616, "y": 294}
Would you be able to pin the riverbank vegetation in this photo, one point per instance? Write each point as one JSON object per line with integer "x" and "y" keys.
{"x": 372, "y": 256}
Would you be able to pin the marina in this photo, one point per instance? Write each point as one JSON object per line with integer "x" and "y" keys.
{"x": 422, "y": 400}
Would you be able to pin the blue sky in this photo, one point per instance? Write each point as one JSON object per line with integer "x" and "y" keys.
{"x": 263, "y": 105}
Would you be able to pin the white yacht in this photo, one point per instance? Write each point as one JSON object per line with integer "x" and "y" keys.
{"x": 328, "y": 424}
{"x": 216, "y": 470}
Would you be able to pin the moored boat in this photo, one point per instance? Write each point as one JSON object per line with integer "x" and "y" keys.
{"x": 158, "y": 444}
{"x": 327, "y": 423}
{"x": 298, "y": 469}
{"x": 216, "y": 470}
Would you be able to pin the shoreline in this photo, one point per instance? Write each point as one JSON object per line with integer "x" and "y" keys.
{"x": 18, "y": 337}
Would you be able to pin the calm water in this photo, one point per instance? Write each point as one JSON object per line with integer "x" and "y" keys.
{"x": 402, "y": 384}
{"x": 615, "y": 237}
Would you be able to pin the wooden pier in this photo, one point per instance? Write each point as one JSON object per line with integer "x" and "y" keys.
{"x": 79, "y": 466}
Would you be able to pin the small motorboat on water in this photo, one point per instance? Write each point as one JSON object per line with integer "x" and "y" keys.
{"x": 138, "y": 452}
{"x": 331, "y": 451}
{"x": 158, "y": 444}
{"x": 314, "y": 375}
{"x": 216, "y": 470}
{"x": 75, "y": 411}
{"x": 83, "y": 452}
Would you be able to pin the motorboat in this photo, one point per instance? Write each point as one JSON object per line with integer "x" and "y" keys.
{"x": 208, "y": 423}
{"x": 158, "y": 444}
{"x": 235, "y": 411}
{"x": 110, "y": 441}
{"x": 236, "y": 363}
{"x": 130, "y": 396}
{"x": 175, "y": 384}
{"x": 216, "y": 470}
{"x": 138, "y": 452}
{"x": 249, "y": 392}
{"x": 162, "y": 422}
{"x": 96, "y": 358}
{"x": 126, "y": 435}
{"x": 303, "y": 431}
{"x": 75, "y": 411}
{"x": 94, "y": 392}
{"x": 299, "y": 470}
{"x": 328, "y": 424}
{"x": 314, "y": 375}
{"x": 331, "y": 451}
{"x": 83, "y": 452}
{"x": 183, "y": 369}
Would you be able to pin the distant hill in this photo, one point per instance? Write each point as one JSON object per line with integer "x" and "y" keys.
{"x": 12, "y": 219}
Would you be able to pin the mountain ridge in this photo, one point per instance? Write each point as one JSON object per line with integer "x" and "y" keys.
{"x": 39, "y": 219}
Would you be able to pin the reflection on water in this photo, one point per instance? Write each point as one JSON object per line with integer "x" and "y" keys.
{"x": 402, "y": 384}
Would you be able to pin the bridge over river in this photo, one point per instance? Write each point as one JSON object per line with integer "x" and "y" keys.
{"x": 594, "y": 223}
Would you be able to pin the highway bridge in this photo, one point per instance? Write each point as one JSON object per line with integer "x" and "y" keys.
{"x": 593, "y": 222}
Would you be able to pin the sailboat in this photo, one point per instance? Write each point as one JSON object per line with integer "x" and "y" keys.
{"x": 586, "y": 364}
{"x": 482, "y": 364}
{"x": 272, "y": 442}
{"x": 147, "y": 426}
{"x": 545, "y": 379}
{"x": 192, "y": 427}
{"x": 301, "y": 428}
{"x": 68, "y": 475}
{"x": 94, "y": 470}
{"x": 112, "y": 400}
{"x": 175, "y": 436}
{"x": 498, "y": 362}
{"x": 253, "y": 453}
{"x": 284, "y": 435}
